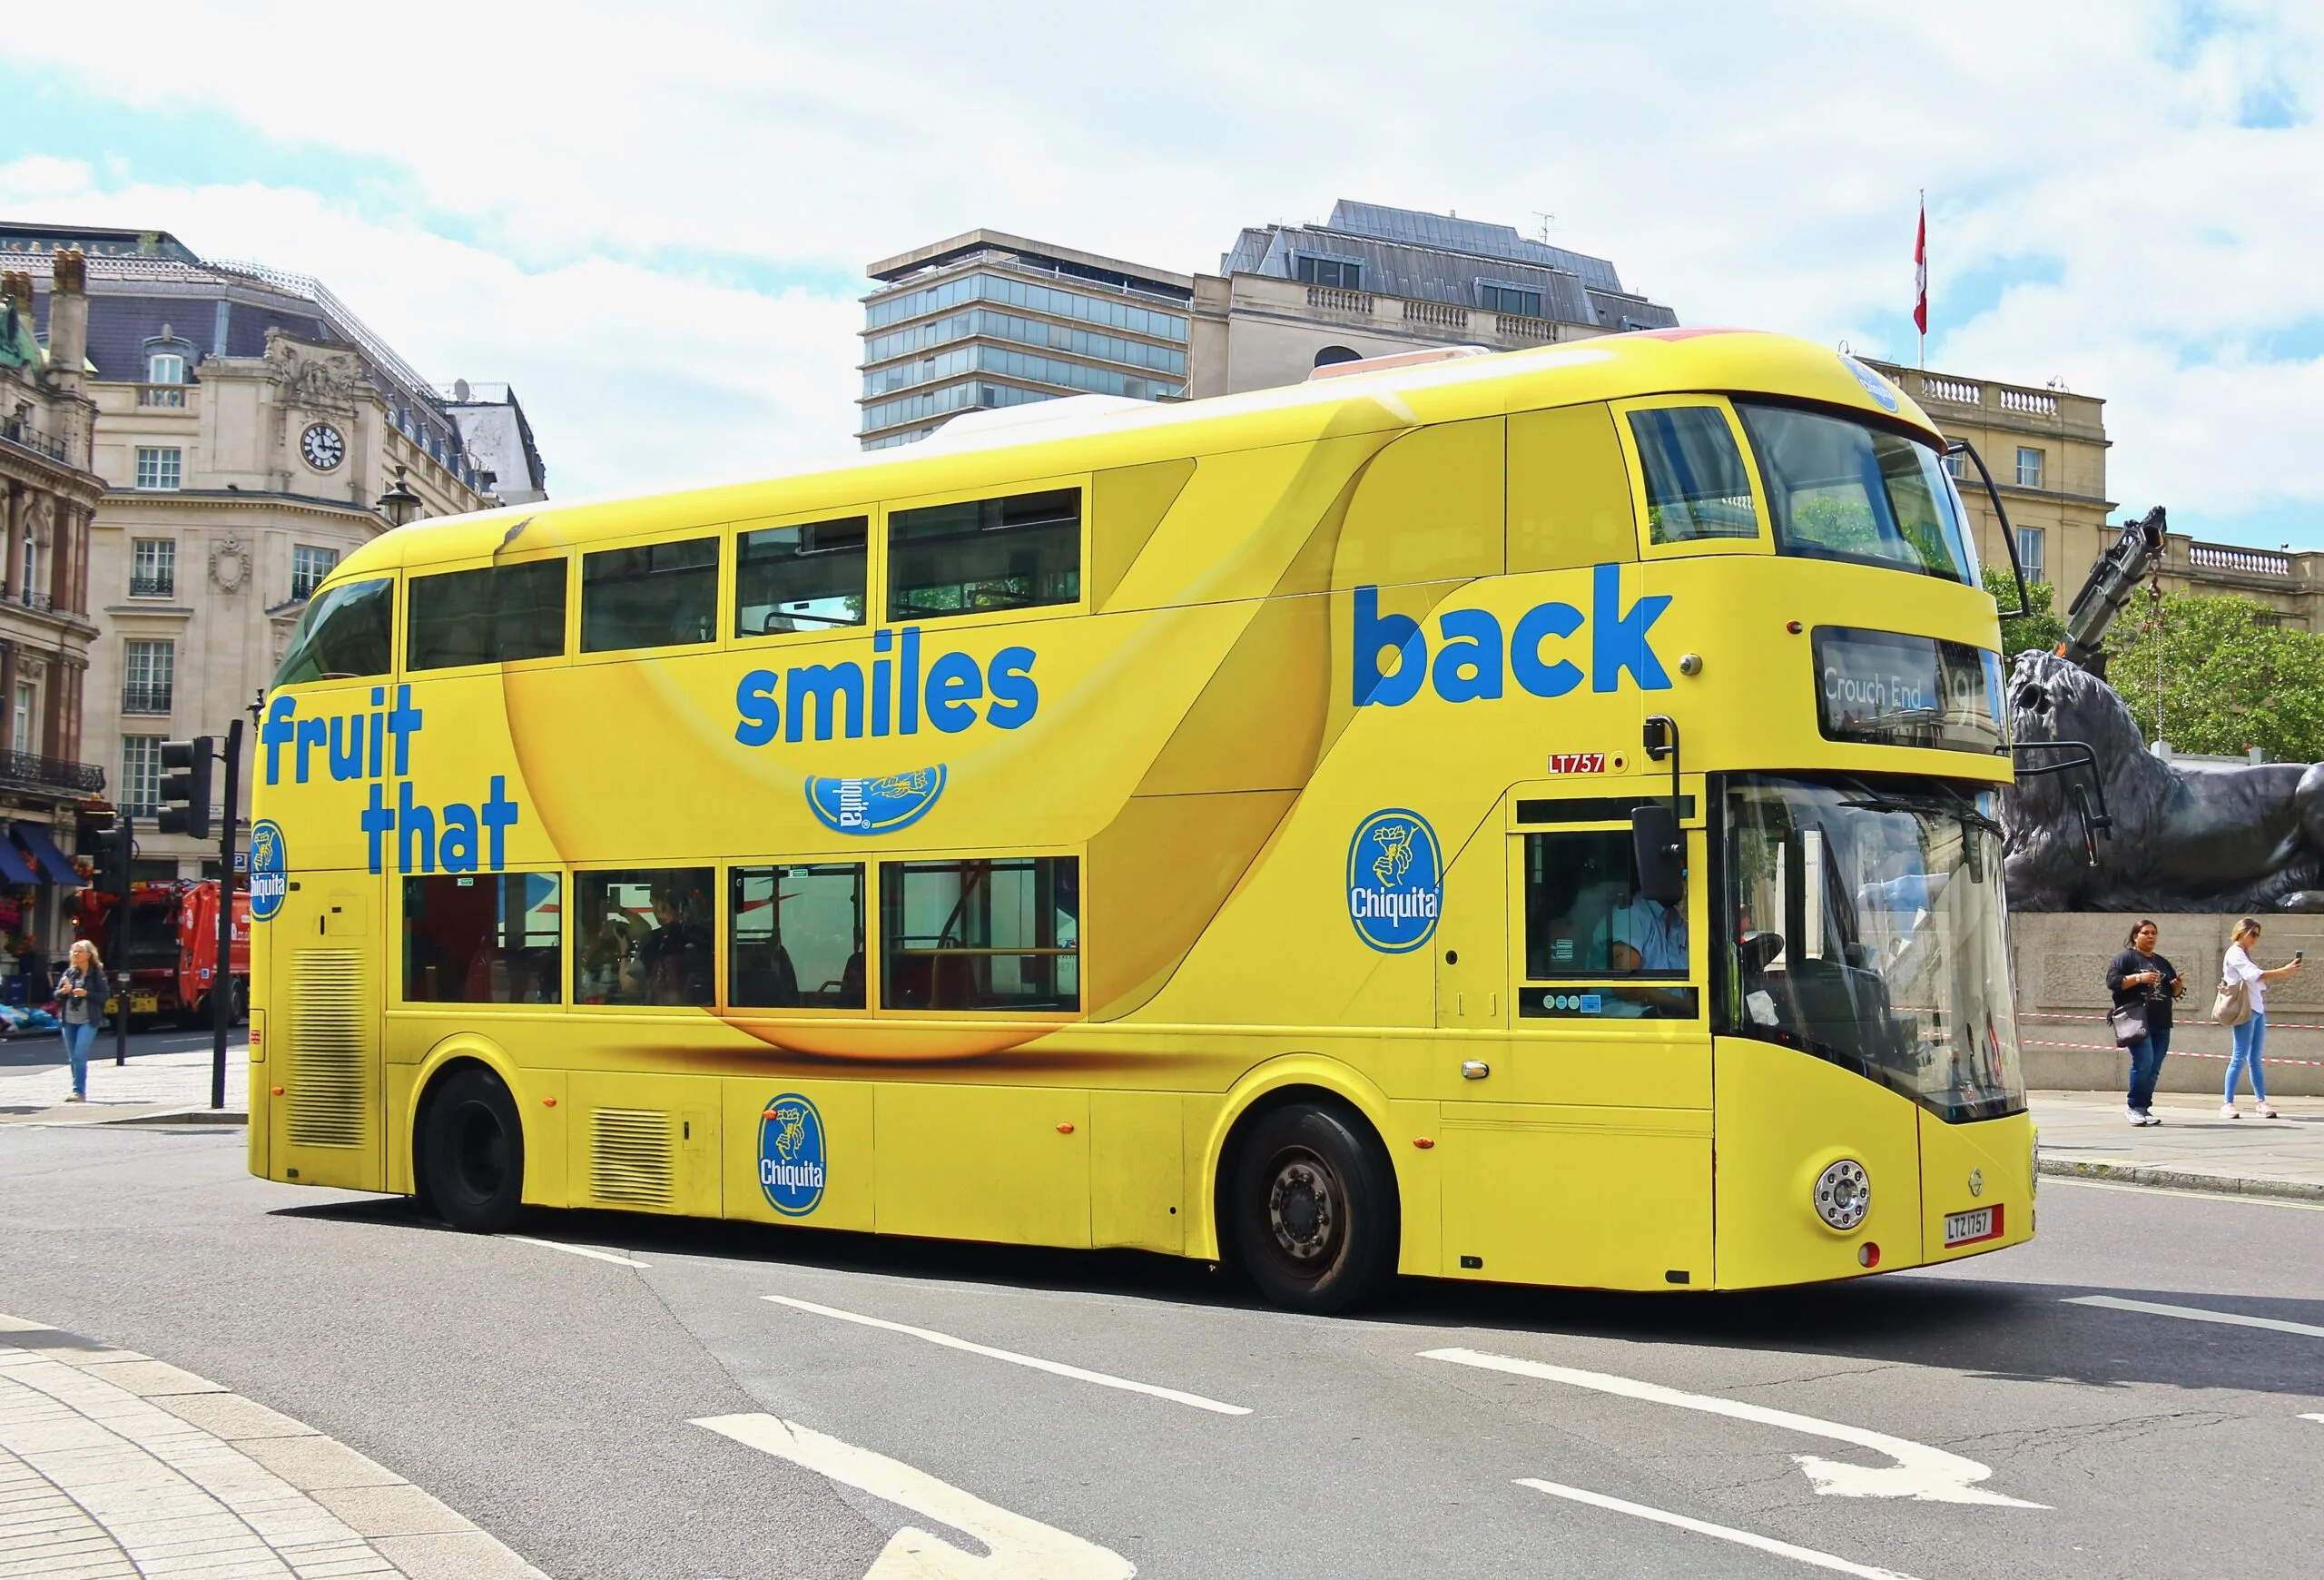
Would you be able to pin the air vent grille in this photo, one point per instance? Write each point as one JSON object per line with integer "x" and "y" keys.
{"x": 632, "y": 1161}
{"x": 328, "y": 1106}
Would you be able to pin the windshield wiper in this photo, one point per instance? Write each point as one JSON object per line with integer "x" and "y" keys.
{"x": 1928, "y": 808}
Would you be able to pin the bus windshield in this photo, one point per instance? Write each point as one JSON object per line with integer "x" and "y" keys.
{"x": 1841, "y": 490}
{"x": 1863, "y": 924}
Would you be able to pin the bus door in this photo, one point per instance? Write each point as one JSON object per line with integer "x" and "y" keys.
{"x": 321, "y": 1063}
{"x": 1584, "y": 1155}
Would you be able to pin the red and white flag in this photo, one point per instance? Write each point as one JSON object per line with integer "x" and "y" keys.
{"x": 1920, "y": 273}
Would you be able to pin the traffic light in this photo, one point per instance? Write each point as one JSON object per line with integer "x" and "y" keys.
{"x": 115, "y": 847}
{"x": 185, "y": 786}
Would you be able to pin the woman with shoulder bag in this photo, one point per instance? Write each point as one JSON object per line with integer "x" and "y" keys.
{"x": 2241, "y": 977}
{"x": 81, "y": 994}
{"x": 2144, "y": 984}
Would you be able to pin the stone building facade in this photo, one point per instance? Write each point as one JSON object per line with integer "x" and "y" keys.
{"x": 2046, "y": 449}
{"x": 53, "y": 492}
{"x": 1373, "y": 281}
{"x": 247, "y": 430}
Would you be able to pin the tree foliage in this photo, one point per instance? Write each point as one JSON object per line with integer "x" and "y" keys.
{"x": 2043, "y": 628}
{"x": 2223, "y": 675}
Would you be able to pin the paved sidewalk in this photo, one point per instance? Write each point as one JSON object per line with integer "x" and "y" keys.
{"x": 114, "y": 1465}
{"x": 149, "y": 1087}
{"x": 2085, "y": 1133}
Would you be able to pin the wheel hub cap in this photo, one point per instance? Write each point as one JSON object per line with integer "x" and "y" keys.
{"x": 1300, "y": 1209}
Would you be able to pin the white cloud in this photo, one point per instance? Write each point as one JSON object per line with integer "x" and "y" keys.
{"x": 648, "y": 221}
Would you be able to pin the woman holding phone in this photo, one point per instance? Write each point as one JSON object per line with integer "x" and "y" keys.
{"x": 2252, "y": 1034}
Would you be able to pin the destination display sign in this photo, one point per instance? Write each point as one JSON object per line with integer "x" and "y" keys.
{"x": 1888, "y": 689}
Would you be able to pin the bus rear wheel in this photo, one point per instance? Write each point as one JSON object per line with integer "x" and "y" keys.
{"x": 1314, "y": 1210}
{"x": 472, "y": 1153}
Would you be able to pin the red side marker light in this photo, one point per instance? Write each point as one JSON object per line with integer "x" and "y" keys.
{"x": 1868, "y": 1253}
{"x": 1793, "y": 626}
{"x": 276, "y": 1090}
{"x": 548, "y": 1102}
{"x": 1422, "y": 1142}
{"x": 1065, "y": 1130}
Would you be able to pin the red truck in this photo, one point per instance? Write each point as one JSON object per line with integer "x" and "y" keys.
{"x": 172, "y": 948}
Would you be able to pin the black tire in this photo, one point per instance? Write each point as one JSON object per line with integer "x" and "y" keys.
{"x": 1313, "y": 1209}
{"x": 472, "y": 1152}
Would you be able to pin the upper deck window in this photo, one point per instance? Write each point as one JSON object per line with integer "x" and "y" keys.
{"x": 343, "y": 635}
{"x": 657, "y": 595}
{"x": 1840, "y": 490}
{"x": 1016, "y": 553}
{"x": 487, "y": 616}
{"x": 808, "y": 578}
{"x": 1695, "y": 484}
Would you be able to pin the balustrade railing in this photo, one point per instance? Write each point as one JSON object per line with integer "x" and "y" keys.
{"x": 1512, "y": 326}
{"x": 2245, "y": 561}
{"x": 53, "y": 772}
{"x": 170, "y": 396}
{"x": 1436, "y": 314}
{"x": 2039, "y": 402}
{"x": 1332, "y": 299}
{"x": 1960, "y": 391}
{"x": 16, "y": 430}
{"x": 152, "y": 587}
{"x": 145, "y": 699}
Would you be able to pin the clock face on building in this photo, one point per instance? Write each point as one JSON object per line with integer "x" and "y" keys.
{"x": 323, "y": 446}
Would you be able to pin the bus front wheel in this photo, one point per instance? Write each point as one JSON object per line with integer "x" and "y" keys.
{"x": 1315, "y": 1211}
{"x": 472, "y": 1152}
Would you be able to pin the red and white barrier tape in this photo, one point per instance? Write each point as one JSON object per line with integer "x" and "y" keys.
{"x": 2273, "y": 1025}
{"x": 2175, "y": 1053}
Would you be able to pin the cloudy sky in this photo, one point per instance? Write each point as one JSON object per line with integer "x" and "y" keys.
{"x": 653, "y": 221}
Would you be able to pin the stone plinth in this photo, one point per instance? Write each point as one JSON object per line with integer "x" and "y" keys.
{"x": 2061, "y": 956}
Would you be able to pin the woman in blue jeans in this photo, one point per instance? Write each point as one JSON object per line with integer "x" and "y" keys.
{"x": 2139, "y": 976}
{"x": 80, "y": 995}
{"x": 2251, "y": 1036}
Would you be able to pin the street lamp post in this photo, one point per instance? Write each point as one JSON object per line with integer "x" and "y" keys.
{"x": 400, "y": 501}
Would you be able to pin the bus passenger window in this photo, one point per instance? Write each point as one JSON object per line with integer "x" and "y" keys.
{"x": 802, "y": 578}
{"x": 658, "y": 594}
{"x": 489, "y": 938}
{"x": 1583, "y": 914}
{"x": 1016, "y": 553}
{"x": 644, "y": 937}
{"x": 488, "y": 616}
{"x": 795, "y": 938}
{"x": 1695, "y": 486}
{"x": 343, "y": 635}
{"x": 980, "y": 934}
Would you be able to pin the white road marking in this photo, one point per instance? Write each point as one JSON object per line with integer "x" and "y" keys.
{"x": 1020, "y": 1548}
{"x": 1058, "y": 1368}
{"x": 578, "y": 1250}
{"x": 2050, "y": 1180}
{"x": 2312, "y": 1417}
{"x": 2197, "y": 1314}
{"x": 1705, "y": 1529}
{"x": 1921, "y": 1473}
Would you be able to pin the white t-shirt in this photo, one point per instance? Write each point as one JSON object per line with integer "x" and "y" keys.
{"x": 2240, "y": 967}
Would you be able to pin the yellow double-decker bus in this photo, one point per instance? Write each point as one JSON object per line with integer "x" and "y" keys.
{"x": 1522, "y": 817}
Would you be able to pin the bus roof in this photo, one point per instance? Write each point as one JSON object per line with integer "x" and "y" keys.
{"x": 1056, "y": 439}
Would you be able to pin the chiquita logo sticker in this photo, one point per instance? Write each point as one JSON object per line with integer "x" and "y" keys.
{"x": 269, "y": 869}
{"x": 791, "y": 1155}
{"x": 877, "y": 806}
{"x": 1395, "y": 880}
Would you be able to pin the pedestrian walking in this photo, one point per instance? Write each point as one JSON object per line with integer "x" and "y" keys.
{"x": 2243, "y": 983}
{"x": 2144, "y": 984}
{"x": 81, "y": 990}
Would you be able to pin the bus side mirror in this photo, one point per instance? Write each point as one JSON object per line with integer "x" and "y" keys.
{"x": 1658, "y": 852}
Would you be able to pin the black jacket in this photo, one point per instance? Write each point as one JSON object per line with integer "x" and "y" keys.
{"x": 2156, "y": 996}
